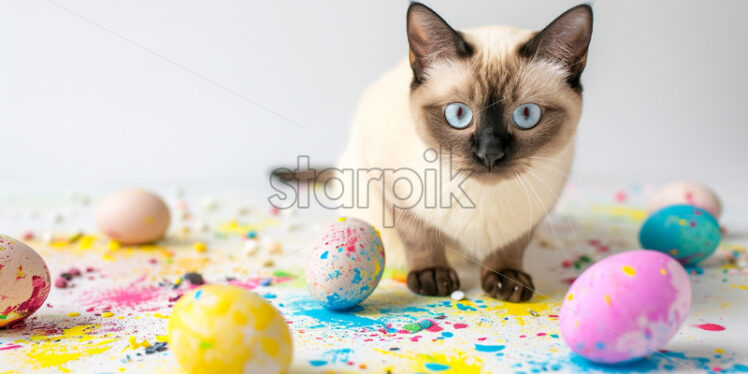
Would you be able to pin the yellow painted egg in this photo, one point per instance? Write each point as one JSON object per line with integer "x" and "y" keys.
{"x": 133, "y": 217}
{"x": 228, "y": 329}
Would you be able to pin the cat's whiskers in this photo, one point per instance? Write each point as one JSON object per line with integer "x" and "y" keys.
{"x": 547, "y": 158}
{"x": 566, "y": 215}
{"x": 552, "y": 168}
{"x": 540, "y": 201}
{"x": 529, "y": 205}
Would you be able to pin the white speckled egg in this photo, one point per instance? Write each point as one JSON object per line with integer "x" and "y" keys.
{"x": 133, "y": 217}
{"x": 625, "y": 307}
{"x": 345, "y": 263}
{"x": 686, "y": 193}
{"x": 24, "y": 280}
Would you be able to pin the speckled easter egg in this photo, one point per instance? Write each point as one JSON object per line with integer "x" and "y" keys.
{"x": 345, "y": 263}
{"x": 625, "y": 307}
{"x": 687, "y": 233}
{"x": 686, "y": 193}
{"x": 24, "y": 280}
{"x": 228, "y": 329}
{"x": 133, "y": 217}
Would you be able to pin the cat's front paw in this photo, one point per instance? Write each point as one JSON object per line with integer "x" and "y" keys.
{"x": 437, "y": 281}
{"x": 508, "y": 285}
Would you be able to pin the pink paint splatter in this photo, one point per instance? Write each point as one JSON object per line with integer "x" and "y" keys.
{"x": 127, "y": 297}
{"x": 621, "y": 196}
{"x": 569, "y": 280}
{"x": 434, "y": 327}
{"x": 710, "y": 327}
{"x": 460, "y": 325}
{"x": 7, "y": 347}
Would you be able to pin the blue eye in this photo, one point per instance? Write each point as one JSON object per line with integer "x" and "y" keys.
{"x": 526, "y": 116}
{"x": 458, "y": 115}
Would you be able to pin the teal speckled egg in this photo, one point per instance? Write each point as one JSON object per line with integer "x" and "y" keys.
{"x": 687, "y": 233}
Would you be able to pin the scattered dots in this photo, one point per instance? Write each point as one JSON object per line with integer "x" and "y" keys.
{"x": 200, "y": 247}
{"x": 628, "y": 270}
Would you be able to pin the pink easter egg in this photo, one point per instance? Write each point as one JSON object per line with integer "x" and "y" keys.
{"x": 625, "y": 307}
{"x": 686, "y": 193}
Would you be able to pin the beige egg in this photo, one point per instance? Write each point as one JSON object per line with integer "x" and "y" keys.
{"x": 133, "y": 217}
{"x": 688, "y": 193}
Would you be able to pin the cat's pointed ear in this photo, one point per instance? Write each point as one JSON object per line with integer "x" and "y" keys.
{"x": 431, "y": 39}
{"x": 564, "y": 41}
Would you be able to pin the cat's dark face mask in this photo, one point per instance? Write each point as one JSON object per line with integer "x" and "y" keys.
{"x": 494, "y": 110}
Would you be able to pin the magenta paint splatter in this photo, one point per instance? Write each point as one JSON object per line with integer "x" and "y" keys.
{"x": 710, "y": 327}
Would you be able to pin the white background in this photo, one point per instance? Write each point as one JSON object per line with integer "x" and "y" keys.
{"x": 148, "y": 92}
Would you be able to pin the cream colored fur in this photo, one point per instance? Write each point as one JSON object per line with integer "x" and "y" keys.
{"x": 385, "y": 135}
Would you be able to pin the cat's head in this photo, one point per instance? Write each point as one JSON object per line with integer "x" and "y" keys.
{"x": 496, "y": 98}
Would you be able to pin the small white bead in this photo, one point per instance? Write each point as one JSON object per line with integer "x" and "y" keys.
{"x": 251, "y": 247}
{"x": 457, "y": 295}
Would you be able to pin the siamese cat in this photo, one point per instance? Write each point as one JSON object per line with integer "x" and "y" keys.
{"x": 495, "y": 106}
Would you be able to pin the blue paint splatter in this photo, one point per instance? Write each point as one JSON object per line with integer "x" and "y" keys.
{"x": 489, "y": 348}
{"x": 447, "y": 334}
{"x": 436, "y": 367}
{"x": 334, "y": 275}
{"x": 464, "y": 307}
{"x": 317, "y": 362}
{"x": 356, "y": 276}
{"x": 338, "y": 355}
{"x": 198, "y": 293}
{"x": 405, "y": 309}
{"x": 324, "y": 255}
{"x": 269, "y": 296}
{"x": 346, "y": 319}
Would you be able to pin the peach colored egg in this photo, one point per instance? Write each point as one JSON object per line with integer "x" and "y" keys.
{"x": 686, "y": 193}
{"x": 24, "y": 280}
{"x": 133, "y": 217}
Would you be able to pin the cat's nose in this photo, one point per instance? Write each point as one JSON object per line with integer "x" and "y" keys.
{"x": 488, "y": 157}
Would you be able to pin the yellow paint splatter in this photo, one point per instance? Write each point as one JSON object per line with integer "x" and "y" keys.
{"x": 342, "y": 219}
{"x": 233, "y": 227}
{"x": 107, "y": 314}
{"x": 87, "y": 241}
{"x": 628, "y": 270}
{"x": 570, "y": 297}
{"x": 663, "y": 271}
{"x": 739, "y": 286}
{"x": 162, "y": 338}
{"x": 114, "y": 245}
{"x": 200, "y": 247}
{"x": 719, "y": 351}
{"x": 607, "y": 300}
{"x": 682, "y": 222}
{"x": 159, "y": 315}
{"x": 20, "y": 274}
{"x": 57, "y": 350}
{"x": 73, "y": 314}
{"x": 636, "y": 215}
